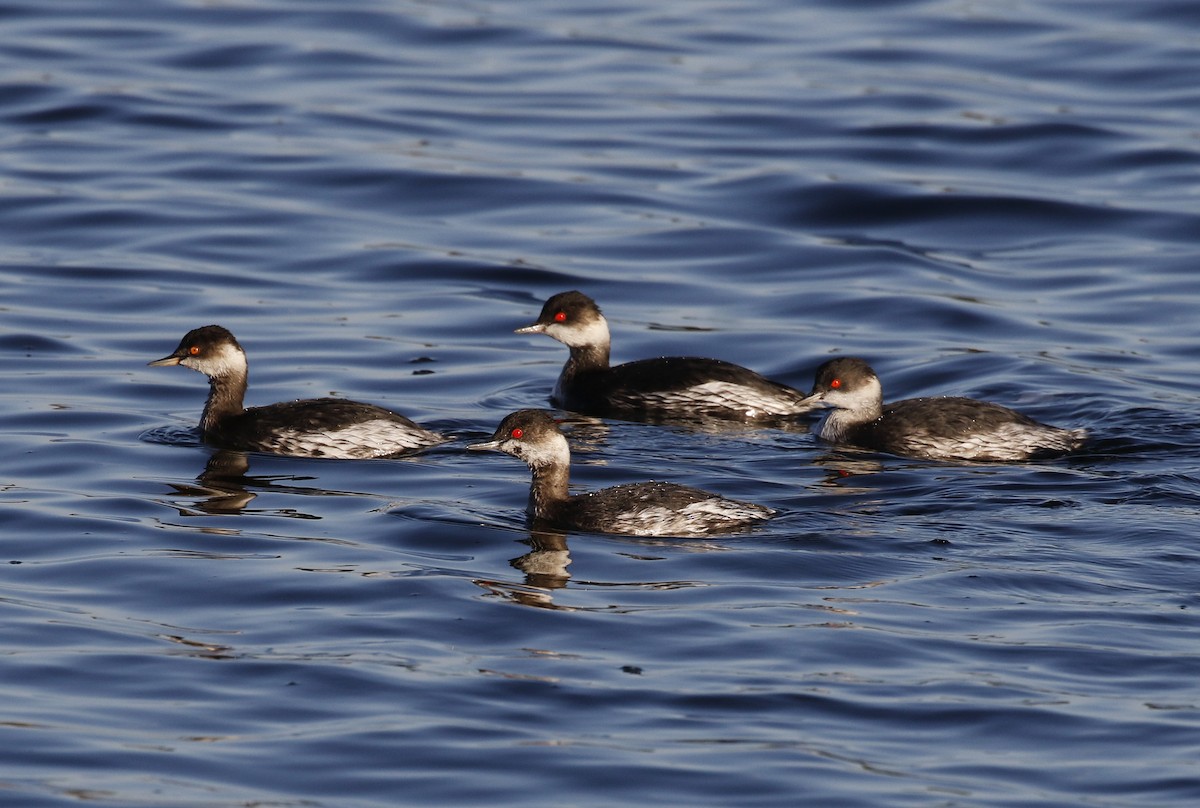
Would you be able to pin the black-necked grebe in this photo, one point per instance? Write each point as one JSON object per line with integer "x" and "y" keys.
{"x": 932, "y": 428}
{"x": 639, "y": 509}
{"x": 318, "y": 427}
{"x": 666, "y": 387}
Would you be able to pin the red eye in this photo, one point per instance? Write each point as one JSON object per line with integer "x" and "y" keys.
{"x": 836, "y": 383}
{"x": 561, "y": 317}
{"x": 194, "y": 350}
{"x": 517, "y": 433}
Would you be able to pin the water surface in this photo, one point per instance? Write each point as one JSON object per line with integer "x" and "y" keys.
{"x": 990, "y": 200}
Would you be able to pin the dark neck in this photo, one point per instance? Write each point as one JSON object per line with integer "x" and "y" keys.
{"x": 586, "y": 358}
{"x": 548, "y": 490}
{"x": 226, "y": 395}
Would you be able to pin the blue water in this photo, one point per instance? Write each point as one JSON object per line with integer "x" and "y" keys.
{"x": 998, "y": 200}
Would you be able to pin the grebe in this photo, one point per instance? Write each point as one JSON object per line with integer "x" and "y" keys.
{"x": 318, "y": 427}
{"x": 639, "y": 509}
{"x": 670, "y": 386}
{"x": 932, "y": 428}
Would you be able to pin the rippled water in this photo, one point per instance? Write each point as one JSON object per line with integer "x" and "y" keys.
{"x": 997, "y": 200}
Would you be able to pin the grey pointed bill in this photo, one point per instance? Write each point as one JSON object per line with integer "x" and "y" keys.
{"x": 485, "y": 446}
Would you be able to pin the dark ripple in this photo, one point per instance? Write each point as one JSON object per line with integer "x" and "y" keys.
{"x": 31, "y": 344}
{"x": 228, "y": 57}
{"x": 1176, "y": 14}
{"x": 981, "y": 220}
{"x": 65, "y": 113}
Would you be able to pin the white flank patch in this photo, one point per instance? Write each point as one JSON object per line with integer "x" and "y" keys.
{"x": 552, "y": 451}
{"x": 727, "y": 510}
{"x": 750, "y": 402}
{"x": 1005, "y": 442}
{"x": 697, "y": 519}
{"x": 367, "y": 439}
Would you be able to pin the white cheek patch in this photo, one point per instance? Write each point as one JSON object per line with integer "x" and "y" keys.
{"x": 849, "y": 408}
{"x": 555, "y": 451}
{"x": 227, "y": 361}
{"x": 868, "y": 396}
{"x": 591, "y": 333}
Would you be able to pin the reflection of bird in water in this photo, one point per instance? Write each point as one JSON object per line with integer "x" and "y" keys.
{"x": 545, "y": 568}
{"x": 316, "y": 427}
{"x": 224, "y": 487}
{"x": 225, "y": 466}
{"x": 841, "y": 469}
{"x": 639, "y": 509}
{"x": 545, "y": 565}
{"x": 221, "y": 488}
